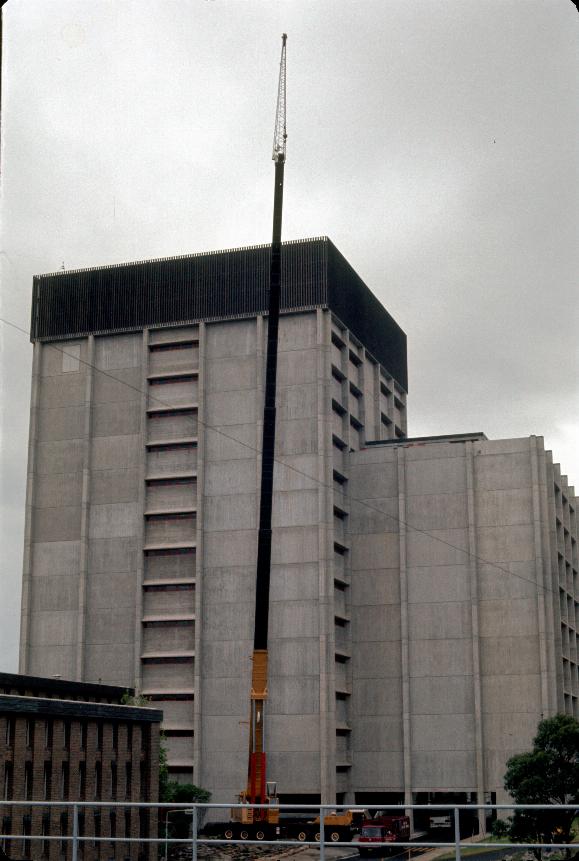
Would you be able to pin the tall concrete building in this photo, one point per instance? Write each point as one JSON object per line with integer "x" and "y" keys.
{"x": 424, "y": 592}
{"x": 143, "y": 486}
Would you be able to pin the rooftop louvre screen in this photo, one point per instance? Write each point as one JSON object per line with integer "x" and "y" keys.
{"x": 212, "y": 286}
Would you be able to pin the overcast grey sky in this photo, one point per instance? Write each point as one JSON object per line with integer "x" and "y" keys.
{"x": 434, "y": 141}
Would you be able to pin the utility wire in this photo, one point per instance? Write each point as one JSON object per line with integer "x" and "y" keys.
{"x": 294, "y": 469}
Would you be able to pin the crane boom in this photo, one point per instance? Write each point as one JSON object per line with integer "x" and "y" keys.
{"x": 256, "y": 791}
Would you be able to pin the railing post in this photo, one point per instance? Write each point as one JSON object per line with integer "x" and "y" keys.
{"x": 74, "y": 832}
{"x": 456, "y": 834}
{"x": 322, "y": 837}
{"x": 194, "y": 827}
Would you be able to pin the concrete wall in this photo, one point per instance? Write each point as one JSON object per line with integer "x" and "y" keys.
{"x": 455, "y": 633}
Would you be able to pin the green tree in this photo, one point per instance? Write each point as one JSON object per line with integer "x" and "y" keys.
{"x": 549, "y": 774}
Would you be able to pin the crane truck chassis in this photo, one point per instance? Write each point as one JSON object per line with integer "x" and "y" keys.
{"x": 338, "y": 826}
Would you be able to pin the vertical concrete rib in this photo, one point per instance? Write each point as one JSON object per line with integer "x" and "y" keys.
{"x": 24, "y": 659}
{"x": 197, "y": 679}
{"x": 405, "y": 656}
{"x": 85, "y": 511}
{"x": 539, "y": 575}
{"x": 140, "y": 537}
{"x": 475, "y": 629}
{"x": 326, "y": 553}
{"x": 550, "y": 569}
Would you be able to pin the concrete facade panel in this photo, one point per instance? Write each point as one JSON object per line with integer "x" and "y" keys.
{"x": 111, "y": 626}
{"x": 52, "y": 661}
{"x": 376, "y": 696}
{"x": 231, "y": 548}
{"x": 504, "y": 507}
{"x": 57, "y": 524}
{"x": 295, "y": 545}
{"x": 375, "y": 587}
{"x": 514, "y": 543}
{"x": 231, "y": 338}
{"x": 294, "y": 658}
{"x": 440, "y": 658}
{"x": 59, "y": 456}
{"x": 289, "y": 696}
{"x": 116, "y": 520}
{"x": 380, "y": 733}
{"x": 438, "y": 547}
{"x": 296, "y": 367}
{"x": 446, "y": 732}
{"x": 115, "y": 452}
{"x": 223, "y": 513}
{"x": 374, "y": 515}
{"x": 437, "y": 511}
{"x": 512, "y": 655}
{"x": 296, "y": 436}
{"x": 231, "y": 374}
{"x": 294, "y": 582}
{"x": 110, "y": 664}
{"x": 228, "y": 622}
{"x": 54, "y": 627}
{"x": 373, "y": 771}
{"x": 118, "y": 351}
{"x": 110, "y": 420}
{"x": 230, "y": 442}
{"x": 380, "y": 623}
{"x": 231, "y": 408}
{"x": 442, "y": 695}
{"x": 105, "y": 591}
{"x": 227, "y": 659}
{"x": 294, "y": 733}
{"x": 56, "y": 593}
{"x": 178, "y": 600}
{"x": 374, "y": 480}
{"x": 375, "y": 551}
{"x": 517, "y": 617}
{"x": 439, "y": 621}
{"x": 297, "y": 402}
{"x": 510, "y": 693}
{"x": 116, "y": 555}
{"x": 503, "y": 471}
{"x": 377, "y": 660}
{"x": 118, "y": 386}
{"x": 56, "y": 558}
{"x": 436, "y": 770}
{"x": 294, "y": 619}
{"x": 295, "y": 508}
{"x": 56, "y": 356}
{"x": 62, "y": 391}
{"x": 61, "y": 423}
{"x": 296, "y": 332}
{"x": 60, "y": 489}
{"x": 230, "y": 477}
{"x": 437, "y": 475}
{"x": 440, "y": 583}
{"x": 114, "y": 486}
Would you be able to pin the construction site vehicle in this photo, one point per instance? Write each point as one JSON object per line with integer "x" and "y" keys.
{"x": 383, "y": 829}
{"x": 338, "y": 827}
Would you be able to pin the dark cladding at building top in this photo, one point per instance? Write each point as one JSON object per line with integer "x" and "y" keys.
{"x": 210, "y": 286}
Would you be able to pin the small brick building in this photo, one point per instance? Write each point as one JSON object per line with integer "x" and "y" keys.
{"x": 72, "y": 741}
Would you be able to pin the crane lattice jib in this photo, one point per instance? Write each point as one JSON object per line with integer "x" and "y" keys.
{"x": 279, "y": 134}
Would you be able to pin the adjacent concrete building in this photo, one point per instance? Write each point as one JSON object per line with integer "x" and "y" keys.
{"x": 464, "y": 610}
{"x": 423, "y": 593}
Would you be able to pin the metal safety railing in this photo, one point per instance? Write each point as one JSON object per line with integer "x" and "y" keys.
{"x": 198, "y": 812}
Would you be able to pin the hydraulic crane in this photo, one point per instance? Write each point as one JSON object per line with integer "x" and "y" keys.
{"x": 256, "y": 791}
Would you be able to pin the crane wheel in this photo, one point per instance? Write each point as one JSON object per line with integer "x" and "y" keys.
{"x": 260, "y": 835}
{"x": 228, "y": 834}
{"x": 302, "y": 836}
{"x": 335, "y": 836}
{"x": 244, "y": 834}
{"x": 317, "y": 836}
